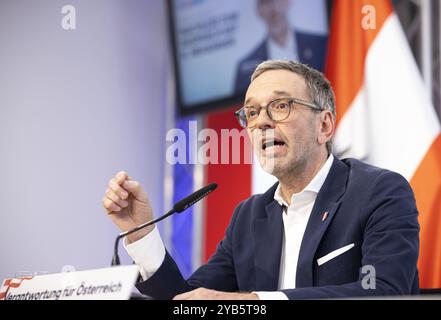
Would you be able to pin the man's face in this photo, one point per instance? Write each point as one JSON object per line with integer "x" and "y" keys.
{"x": 282, "y": 147}
{"x": 273, "y": 12}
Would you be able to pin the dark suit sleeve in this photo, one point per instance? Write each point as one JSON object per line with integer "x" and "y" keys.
{"x": 390, "y": 245}
{"x": 240, "y": 82}
{"x": 218, "y": 273}
{"x": 246, "y": 66}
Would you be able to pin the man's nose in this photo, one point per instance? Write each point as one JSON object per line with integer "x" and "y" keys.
{"x": 263, "y": 120}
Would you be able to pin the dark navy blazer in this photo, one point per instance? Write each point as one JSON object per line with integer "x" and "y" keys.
{"x": 311, "y": 51}
{"x": 370, "y": 207}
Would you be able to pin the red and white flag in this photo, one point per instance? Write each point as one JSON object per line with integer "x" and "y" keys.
{"x": 11, "y": 283}
{"x": 384, "y": 115}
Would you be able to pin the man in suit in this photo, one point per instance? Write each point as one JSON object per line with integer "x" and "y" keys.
{"x": 281, "y": 42}
{"x": 329, "y": 228}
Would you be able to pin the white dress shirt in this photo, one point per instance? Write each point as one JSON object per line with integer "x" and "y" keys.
{"x": 295, "y": 219}
{"x": 149, "y": 252}
{"x": 289, "y": 51}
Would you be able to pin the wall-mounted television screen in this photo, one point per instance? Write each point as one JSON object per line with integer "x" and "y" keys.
{"x": 217, "y": 44}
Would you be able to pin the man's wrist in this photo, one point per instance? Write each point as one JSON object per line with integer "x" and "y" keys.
{"x": 135, "y": 236}
{"x": 148, "y": 253}
{"x": 251, "y": 296}
{"x": 245, "y": 296}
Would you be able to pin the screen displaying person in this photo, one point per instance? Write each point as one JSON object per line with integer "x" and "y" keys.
{"x": 282, "y": 41}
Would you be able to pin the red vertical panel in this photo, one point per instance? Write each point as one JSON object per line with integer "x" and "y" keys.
{"x": 234, "y": 185}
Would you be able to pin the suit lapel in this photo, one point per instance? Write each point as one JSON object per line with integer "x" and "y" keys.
{"x": 268, "y": 235}
{"x": 327, "y": 201}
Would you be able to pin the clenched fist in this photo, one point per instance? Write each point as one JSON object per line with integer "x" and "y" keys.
{"x": 127, "y": 205}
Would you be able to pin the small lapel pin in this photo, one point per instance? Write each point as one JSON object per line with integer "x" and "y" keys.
{"x": 325, "y": 215}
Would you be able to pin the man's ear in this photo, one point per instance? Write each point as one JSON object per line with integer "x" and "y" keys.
{"x": 326, "y": 127}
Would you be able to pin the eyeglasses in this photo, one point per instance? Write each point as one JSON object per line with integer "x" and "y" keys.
{"x": 277, "y": 110}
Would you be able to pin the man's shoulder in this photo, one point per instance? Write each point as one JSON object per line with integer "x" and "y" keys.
{"x": 363, "y": 168}
{"x": 366, "y": 170}
{"x": 246, "y": 66}
{"x": 364, "y": 176}
{"x": 312, "y": 49}
{"x": 311, "y": 37}
{"x": 248, "y": 63}
{"x": 259, "y": 53}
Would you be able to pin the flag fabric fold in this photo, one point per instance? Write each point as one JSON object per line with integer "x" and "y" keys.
{"x": 384, "y": 115}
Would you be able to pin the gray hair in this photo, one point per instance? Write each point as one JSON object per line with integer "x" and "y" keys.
{"x": 320, "y": 89}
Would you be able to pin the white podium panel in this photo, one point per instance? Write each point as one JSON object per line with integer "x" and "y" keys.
{"x": 115, "y": 283}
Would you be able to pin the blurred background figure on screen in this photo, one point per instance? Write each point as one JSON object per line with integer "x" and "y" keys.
{"x": 281, "y": 42}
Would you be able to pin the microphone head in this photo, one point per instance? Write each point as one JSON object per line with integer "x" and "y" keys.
{"x": 194, "y": 197}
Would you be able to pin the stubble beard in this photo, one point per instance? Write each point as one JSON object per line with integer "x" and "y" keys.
{"x": 291, "y": 165}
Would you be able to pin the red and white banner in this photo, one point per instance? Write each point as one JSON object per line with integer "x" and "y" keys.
{"x": 114, "y": 283}
{"x": 384, "y": 115}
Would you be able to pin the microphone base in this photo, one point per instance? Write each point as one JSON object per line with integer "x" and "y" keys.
{"x": 115, "y": 261}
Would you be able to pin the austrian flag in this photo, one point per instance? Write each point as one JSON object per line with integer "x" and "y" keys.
{"x": 384, "y": 115}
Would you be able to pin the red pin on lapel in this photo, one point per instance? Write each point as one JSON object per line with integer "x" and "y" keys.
{"x": 325, "y": 215}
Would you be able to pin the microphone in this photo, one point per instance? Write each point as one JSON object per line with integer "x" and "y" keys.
{"x": 177, "y": 208}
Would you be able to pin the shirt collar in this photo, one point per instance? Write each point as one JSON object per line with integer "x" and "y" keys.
{"x": 313, "y": 186}
{"x": 277, "y": 51}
